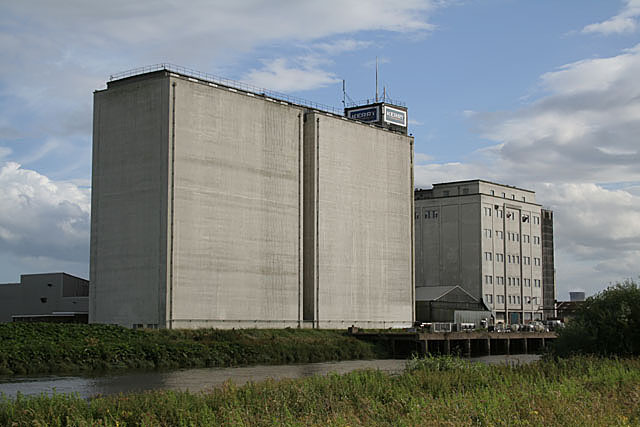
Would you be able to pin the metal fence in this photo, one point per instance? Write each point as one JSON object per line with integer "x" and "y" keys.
{"x": 229, "y": 83}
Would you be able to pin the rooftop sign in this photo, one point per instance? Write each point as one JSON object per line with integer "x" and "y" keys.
{"x": 365, "y": 114}
{"x": 395, "y": 116}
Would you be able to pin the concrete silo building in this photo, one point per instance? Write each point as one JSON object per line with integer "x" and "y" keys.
{"x": 218, "y": 206}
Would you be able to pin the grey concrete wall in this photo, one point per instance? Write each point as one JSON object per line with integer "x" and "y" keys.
{"x": 41, "y": 294}
{"x": 363, "y": 261}
{"x": 129, "y": 202}
{"x": 237, "y": 217}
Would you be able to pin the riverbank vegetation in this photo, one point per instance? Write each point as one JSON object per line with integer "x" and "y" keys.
{"x": 36, "y": 348}
{"x": 606, "y": 324}
{"x": 433, "y": 391}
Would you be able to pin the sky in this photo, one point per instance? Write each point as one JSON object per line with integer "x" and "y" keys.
{"x": 544, "y": 95}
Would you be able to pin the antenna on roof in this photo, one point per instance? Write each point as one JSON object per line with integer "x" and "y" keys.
{"x": 376, "y": 79}
{"x": 344, "y": 94}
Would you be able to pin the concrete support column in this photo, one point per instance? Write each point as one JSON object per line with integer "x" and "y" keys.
{"x": 424, "y": 347}
{"x": 508, "y": 346}
{"x": 525, "y": 345}
{"x": 447, "y": 347}
{"x": 542, "y": 343}
{"x": 487, "y": 346}
{"x": 467, "y": 347}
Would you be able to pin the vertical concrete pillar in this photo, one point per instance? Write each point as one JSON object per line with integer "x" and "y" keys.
{"x": 487, "y": 346}
{"x": 424, "y": 347}
{"x": 542, "y": 343}
{"x": 467, "y": 349}
{"x": 525, "y": 345}
{"x": 508, "y": 346}
{"x": 447, "y": 347}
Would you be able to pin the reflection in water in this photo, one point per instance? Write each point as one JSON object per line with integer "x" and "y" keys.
{"x": 207, "y": 378}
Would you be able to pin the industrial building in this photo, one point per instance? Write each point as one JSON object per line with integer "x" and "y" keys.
{"x": 488, "y": 239}
{"x": 218, "y": 205}
{"x": 58, "y": 297}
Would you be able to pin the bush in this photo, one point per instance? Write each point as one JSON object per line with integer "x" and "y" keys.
{"x": 606, "y": 324}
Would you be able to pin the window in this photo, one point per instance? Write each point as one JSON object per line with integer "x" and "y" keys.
{"x": 500, "y": 213}
{"x": 417, "y": 214}
{"x": 434, "y": 214}
{"x": 500, "y": 257}
{"x": 509, "y": 259}
{"x": 445, "y": 193}
{"x": 493, "y": 193}
{"x": 536, "y": 240}
{"x": 517, "y": 236}
{"x": 509, "y": 280}
{"x": 517, "y": 259}
{"x": 524, "y": 199}
{"x": 536, "y": 283}
{"x": 510, "y": 299}
{"x": 487, "y": 232}
{"x": 500, "y": 299}
{"x": 504, "y": 195}
{"x": 513, "y": 197}
{"x": 487, "y": 256}
{"x": 488, "y": 280}
{"x": 526, "y": 260}
{"x": 536, "y": 220}
{"x": 517, "y": 281}
{"x": 527, "y": 282}
{"x": 525, "y": 238}
{"x": 487, "y": 211}
{"x": 427, "y": 214}
{"x": 488, "y": 298}
{"x": 499, "y": 234}
{"x": 536, "y": 261}
{"x": 518, "y": 298}
{"x": 500, "y": 280}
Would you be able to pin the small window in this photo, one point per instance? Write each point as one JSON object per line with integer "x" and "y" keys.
{"x": 524, "y": 199}
{"x": 513, "y": 197}
{"x": 43, "y": 300}
{"x": 493, "y": 193}
{"x": 445, "y": 193}
{"x": 427, "y": 214}
{"x": 504, "y": 195}
{"x": 50, "y": 285}
{"x": 434, "y": 214}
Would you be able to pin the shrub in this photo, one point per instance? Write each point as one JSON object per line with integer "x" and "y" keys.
{"x": 606, "y": 324}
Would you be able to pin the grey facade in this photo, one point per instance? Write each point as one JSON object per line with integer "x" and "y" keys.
{"x": 48, "y": 296}
{"x": 486, "y": 238}
{"x": 217, "y": 207}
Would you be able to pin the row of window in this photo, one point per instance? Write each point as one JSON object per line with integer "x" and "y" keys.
{"x": 432, "y": 214}
{"x": 511, "y": 215}
{"x": 511, "y": 281}
{"x": 514, "y": 237}
{"x": 512, "y": 259}
{"x": 513, "y": 299}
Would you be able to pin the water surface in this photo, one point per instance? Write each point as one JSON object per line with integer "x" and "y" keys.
{"x": 196, "y": 380}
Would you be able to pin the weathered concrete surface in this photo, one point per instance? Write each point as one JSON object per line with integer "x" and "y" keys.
{"x": 358, "y": 258}
{"x": 129, "y": 202}
{"x": 237, "y": 217}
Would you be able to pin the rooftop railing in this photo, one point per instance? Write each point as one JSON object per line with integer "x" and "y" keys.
{"x": 229, "y": 83}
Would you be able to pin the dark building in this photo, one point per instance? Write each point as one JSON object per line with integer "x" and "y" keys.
{"x": 48, "y": 297}
{"x": 548, "y": 266}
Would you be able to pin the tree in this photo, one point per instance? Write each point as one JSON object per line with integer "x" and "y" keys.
{"x": 606, "y": 324}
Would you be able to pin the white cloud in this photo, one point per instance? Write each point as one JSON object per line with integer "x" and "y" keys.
{"x": 624, "y": 22}
{"x": 279, "y": 75}
{"x": 42, "y": 218}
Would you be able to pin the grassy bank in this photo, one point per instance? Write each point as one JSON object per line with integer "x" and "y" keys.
{"x": 442, "y": 391}
{"x": 32, "y": 348}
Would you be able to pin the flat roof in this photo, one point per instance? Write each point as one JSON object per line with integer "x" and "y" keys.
{"x": 469, "y": 181}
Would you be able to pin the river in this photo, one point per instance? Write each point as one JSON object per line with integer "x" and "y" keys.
{"x": 196, "y": 380}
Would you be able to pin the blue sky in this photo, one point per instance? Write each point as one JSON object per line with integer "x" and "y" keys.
{"x": 540, "y": 94}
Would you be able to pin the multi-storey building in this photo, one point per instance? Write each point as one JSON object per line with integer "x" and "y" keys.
{"x": 486, "y": 238}
{"x": 218, "y": 205}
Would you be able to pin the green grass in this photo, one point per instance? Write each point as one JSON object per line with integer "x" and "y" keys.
{"x": 36, "y": 348}
{"x": 435, "y": 391}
